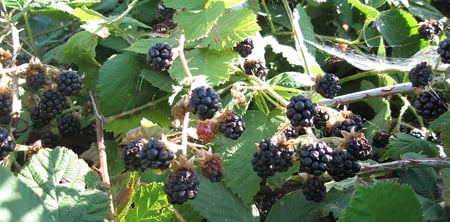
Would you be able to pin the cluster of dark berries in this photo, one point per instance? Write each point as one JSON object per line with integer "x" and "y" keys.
{"x": 69, "y": 124}
{"x": 212, "y": 168}
{"x": 420, "y": 75}
{"x": 5, "y": 103}
{"x": 430, "y": 104}
{"x": 380, "y": 139}
{"x": 301, "y": 111}
{"x": 271, "y": 158}
{"x": 159, "y": 57}
{"x": 255, "y": 67}
{"x": 51, "y": 104}
{"x": 444, "y": 50}
{"x": 343, "y": 165}
{"x": 429, "y": 28}
{"x": 315, "y": 157}
{"x": 204, "y": 102}
{"x": 231, "y": 125}
{"x": 328, "y": 86}
{"x": 181, "y": 186}
{"x": 7, "y": 145}
{"x": 314, "y": 189}
{"x": 140, "y": 155}
{"x": 245, "y": 47}
{"x": 35, "y": 80}
{"x": 359, "y": 147}
{"x": 68, "y": 83}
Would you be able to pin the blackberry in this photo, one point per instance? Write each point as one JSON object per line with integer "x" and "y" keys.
{"x": 271, "y": 158}
{"x": 444, "y": 50}
{"x": 51, "y": 104}
{"x": 69, "y": 124}
{"x": 430, "y": 105}
{"x": 159, "y": 57}
{"x": 164, "y": 13}
{"x": 161, "y": 28}
{"x": 7, "y": 145}
{"x": 68, "y": 83}
{"x": 315, "y": 157}
{"x": 359, "y": 148}
{"x": 254, "y": 67}
{"x": 71, "y": 66}
{"x": 328, "y": 86}
{"x": 343, "y": 166}
{"x": 155, "y": 155}
{"x": 290, "y": 133}
{"x": 5, "y": 103}
{"x": 381, "y": 139}
{"x": 321, "y": 119}
{"x": 314, "y": 189}
{"x": 420, "y": 75}
{"x": 49, "y": 139}
{"x": 207, "y": 130}
{"x": 245, "y": 47}
{"x": 132, "y": 155}
{"x": 348, "y": 125}
{"x": 212, "y": 168}
{"x": 22, "y": 58}
{"x": 39, "y": 118}
{"x": 35, "y": 80}
{"x": 204, "y": 102}
{"x": 428, "y": 28}
{"x": 231, "y": 125}
{"x": 301, "y": 111}
{"x": 181, "y": 186}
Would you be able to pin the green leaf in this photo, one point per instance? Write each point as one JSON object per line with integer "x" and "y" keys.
{"x": 371, "y": 13}
{"x": 214, "y": 65}
{"x": 293, "y": 207}
{"x": 215, "y": 202}
{"x": 424, "y": 10}
{"x": 291, "y": 80}
{"x": 143, "y": 45}
{"x": 122, "y": 190}
{"x": 150, "y": 204}
{"x": 183, "y": 4}
{"x": 232, "y": 27}
{"x": 188, "y": 212}
{"x": 404, "y": 143}
{"x": 84, "y": 14}
{"x": 278, "y": 180}
{"x": 383, "y": 202}
{"x": 19, "y": 202}
{"x": 439, "y": 123}
{"x": 58, "y": 177}
{"x": 158, "y": 79}
{"x": 432, "y": 209}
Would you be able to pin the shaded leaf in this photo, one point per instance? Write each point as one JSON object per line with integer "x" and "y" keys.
{"x": 432, "y": 209}
{"x": 159, "y": 80}
{"x": 183, "y": 4}
{"x": 405, "y": 143}
{"x": 143, "y": 45}
{"x": 293, "y": 207}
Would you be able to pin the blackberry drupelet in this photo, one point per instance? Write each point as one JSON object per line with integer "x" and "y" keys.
{"x": 328, "y": 86}
{"x": 380, "y": 140}
{"x": 212, "y": 168}
{"x": 69, "y": 124}
{"x": 343, "y": 166}
{"x": 428, "y": 28}
{"x": 271, "y": 158}
{"x": 204, "y": 102}
{"x": 420, "y": 75}
{"x": 68, "y": 83}
{"x": 315, "y": 157}
{"x": 255, "y": 67}
{"x": 245, "y": 47}
{"x": 5, "y": 103}
{"x": 290, "y": 133}
{"x": 51, "y": 103}
{"x": 314, "y": 189}
{"x": 181, "y": 186}
{"x": 444, "y": 50}
{"x": 430, "y": 105}
{"x": 159, "y": 57}
{"x": 132, "y": 155}
{"x": 7, "y": 145}
{"x": 301, "y": 111}
{"x": 359, "y": 148}
{"x": 231, "y": 125}
{"x": 155, "y": 155}
{"x": 35, "y": 80}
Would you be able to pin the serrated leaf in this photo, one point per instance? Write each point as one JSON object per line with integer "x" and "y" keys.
{"x": 442, "y": 120}
{"x": 58, "y": 177}
{"x": 214, "y": 65}
{"x": 143, "y": 45}
{"x": 232, "y": 27}
{"x": 291, "y": 80}
{"x": 371, "y": 13}
{"x": 432, "y": 210}
{"x": 183, "y": 4}
{"x": 423, "y": 180}
{"x": 188, "y": 212}
{"x": 424, "y": 10}
{"x": 293, "y": 207}
{"x": 223, "y": 204}
{"x": 383, "y": 202}
{"x": 404, "y": 143}
{"x": 159, "y": 80}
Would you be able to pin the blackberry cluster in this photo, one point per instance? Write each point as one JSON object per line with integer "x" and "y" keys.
{"x": 290, "y": 133}
{"x": 69, "y": 124}
{"x": 328, "y": 86}
{"x": 428, "y": 28}
{"x": 51, "y": 103}
{"x": 359, "y": 148}
{"x": 35, "y": 80}
{"x": 245, "y": 47}
{"x": 271, "y": 158}
{"x": 204, "y": 102}
{"x": 315, "y": 157}
{"x": 181, "y": 186}
{"x": 231, "y": 125}
{"x": 5, "y": 103}
{"x": 159, "y": 57}
{"x": 444, "y": 50}
{"x": 301, "y": 111}
{"x": 212, "y": 168}
{"x": 381, "y": 139}
{"x": 68, "y": 83}
{"x": 321, "y": 119}
{"x": 430, "y": 105}
{"x": 314, "y": 189}
{"x": 343, "y": 166}
{"x": 420, "y": 75}
{"x": 254, "y": 67}
{"x": 7, "y": 145}
{"x": 155, "y": 155}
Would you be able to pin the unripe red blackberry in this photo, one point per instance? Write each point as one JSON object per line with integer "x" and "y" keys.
{"x": 314, "y": 189}
{"x": 255, "y": 67}
{"x": 207, "y": 130}
{"x": 204, "y": 102}
{"x": 7, "y": 144}
{"x": 212, "y": 168}
{"x": 301, "y": 111}
{"x": 343, "y": 166}
{"x": 245, "y": 47}
{"x": 430, "y": 105}
{"x": 420, "y": 75}
{"x": 358, "y": 146}
{"x": 271, "y": 158}
{"x": 5, "y": 102}
{"x": 328, "y": 86}
{"x": 231, "y": 125}
{"x": 69, "y": 124}
{"x": 429, "y": 28}
{"x": 315, "y": 157}
{"x": 159, "y": 57}
{"x": 444, "y": 50}
{"x": 68, "y": 83}
{"x": 181, "y": 186}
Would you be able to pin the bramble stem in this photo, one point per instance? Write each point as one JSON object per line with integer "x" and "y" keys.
{"x": 403, "y": 164}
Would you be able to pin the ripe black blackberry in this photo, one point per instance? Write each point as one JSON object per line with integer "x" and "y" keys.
{"x": 71, "y": 66}
{"x": 301, "y": 111}
{"x": 5, "y": 102}
{"x": 51, "y": 104}
{"x": 315, "y": 157}
{"x": 159, "y": 57}
{"x": 39, "y": 118}
{"x": 444, "y": 50}
{"x": 321, "y": 119}
{"x": 420, "y": 75}
{"x": 380, "y": 140}
{"x": 35, "y": 80}
{"x": 7, "y": 145}
{"x": 181, "y": 186}
{"x": 343, "y": 166}
{"x": 68, "y": 83}
{"x": 204, "y": 102}
{"x": 231, "y": 125}
{"x": 164, "y": 13}
{"x": 155, "y": 155}
{"x": 359, "y": 147}
{"x": 314, "y": 189}
{"x": 348, "y": 125}
{"x": 290, "y": 133}
{"x": 49, "y": 139}
{"x": 132, "y": 155}
{"x": 212, "y": 168}
{"x": 69, "y": 124}
{"x": 430, "y": 104}
{"x": 328, "y": 86}
{"x": 271, "y": 158}
{"x": 428, "y": 28}
{"x": 255, "y": 67}
{"x": 245, "y": 47}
